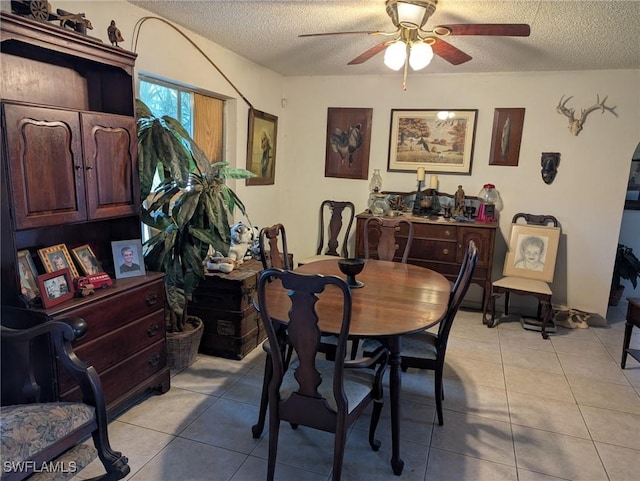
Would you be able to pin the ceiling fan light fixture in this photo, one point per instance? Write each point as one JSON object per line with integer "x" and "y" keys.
{"x": 420, "y": 56}
{"x": 395, "y": 55}
{"x": 412, "y": 14}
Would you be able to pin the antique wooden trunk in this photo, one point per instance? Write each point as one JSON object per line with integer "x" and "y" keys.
{"x": 224, "y": 302}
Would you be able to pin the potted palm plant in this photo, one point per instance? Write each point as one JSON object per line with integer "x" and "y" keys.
{"x": 188, "y": 211}
{"x": 626, "y": 266}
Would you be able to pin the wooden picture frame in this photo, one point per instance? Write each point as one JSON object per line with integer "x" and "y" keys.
{"x": 87, "y": 260}
{"x": 28, "y": 275}
{"x": 506, "y": 136}
{"x": 57, "y": 257}
{"x": 55, "y": 287}
{"x": 124, "y": 265}
{"x": 261, "y": 147}
{"x": 441, "y": 141}
{"x": 632, "y": 199}
{"x": 541, "y": 242}
{"x": 348, "y": 143}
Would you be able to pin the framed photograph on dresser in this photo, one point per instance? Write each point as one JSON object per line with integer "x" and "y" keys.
{"x": 57, "y": 257}
{"x": 128, "y": 260}
{"x": 55, "y": 287}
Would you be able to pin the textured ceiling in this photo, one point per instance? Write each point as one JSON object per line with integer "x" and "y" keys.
{"x": 565, "y": 35}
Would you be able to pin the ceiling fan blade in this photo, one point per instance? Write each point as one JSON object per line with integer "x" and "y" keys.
{"x": 499, "y": 29}
{"x": 370, "y": 32}
{"x": 373, "y": 51}
{"x": 451, "y": 54}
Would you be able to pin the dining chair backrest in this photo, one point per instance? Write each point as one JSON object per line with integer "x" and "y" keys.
{"x": 382, "y": 232}
{"x": 340, "y": 213}
{"x": 274, "y": 256}
{"x": 536, "y": 219}
{"x": 459, "y": 290}
{"x": 312, "y": 391}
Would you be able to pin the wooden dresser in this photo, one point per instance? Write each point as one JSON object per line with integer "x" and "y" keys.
{"x": 70, "y": 176}
{"x": 440, "y": 245}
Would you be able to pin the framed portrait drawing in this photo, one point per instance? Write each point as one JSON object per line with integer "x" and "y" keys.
{"x": 348, "y": 143}
{"x": 506, "y": 136}
{"x": 28, "y": 275}
{"x": 87, "y": 260}
{"x": 55, "y": 287}
{"x": 57, "y": 257}
{"x": 532, "y": 252}
{"x": 128, "y": 260}
{"x": 438, "y": 140}
{"x": 261, "y": 147}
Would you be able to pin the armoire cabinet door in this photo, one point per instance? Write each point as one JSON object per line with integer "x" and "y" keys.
{"x": 110, "y": 161}
{"x": 44, "y": 150}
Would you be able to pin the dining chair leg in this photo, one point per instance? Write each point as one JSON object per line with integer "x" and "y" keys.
{"x": 373, "y": 425}
{"x": 339, "y": 444}
{"x": 274, "y": 428}
{"x": 257, "y": 428}
{"x": 439, "y": 395}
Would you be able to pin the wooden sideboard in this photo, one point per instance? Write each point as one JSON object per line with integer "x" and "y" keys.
{"x": 440, "y": 245}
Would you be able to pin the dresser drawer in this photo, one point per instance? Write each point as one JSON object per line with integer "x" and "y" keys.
{"x": 110, "y": 313}
{"x": 130, "y": 374}
{"x": 117, "y": 345}
{"x": 433, "y": 250}
{"x": 435, "y": 231}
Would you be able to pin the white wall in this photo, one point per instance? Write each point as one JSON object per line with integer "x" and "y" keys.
{"x": 587, "y": 195}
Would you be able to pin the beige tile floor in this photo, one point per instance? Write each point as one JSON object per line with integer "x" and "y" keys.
{"x": 517, "y": 407}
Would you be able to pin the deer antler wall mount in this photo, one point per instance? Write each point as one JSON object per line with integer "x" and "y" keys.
{"x": 575, "y": 125}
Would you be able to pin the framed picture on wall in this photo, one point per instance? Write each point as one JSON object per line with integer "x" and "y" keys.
{"x": 348, "y": 143}
{"x": 261, "y": 147}
{"x": 438, "y": 140}
{"x": 506, "y": 137}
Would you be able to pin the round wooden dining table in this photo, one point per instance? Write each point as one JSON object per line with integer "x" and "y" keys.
{"x": 396, "y": 299}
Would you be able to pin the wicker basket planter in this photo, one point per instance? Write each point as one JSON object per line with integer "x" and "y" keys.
{"x": 182, "y": 347}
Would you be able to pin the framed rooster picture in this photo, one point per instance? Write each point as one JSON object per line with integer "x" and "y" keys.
{"x": 348, "y": 143}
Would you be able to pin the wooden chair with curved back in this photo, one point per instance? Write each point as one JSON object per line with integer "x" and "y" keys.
{"x": 382, "y": 232}
{"x": 274, "y": 256}
{"x": 339, "y": 213}
{"x": 426, "y": 350}
{"x": 526, "y": 282}
{"x": 312, "y": 391}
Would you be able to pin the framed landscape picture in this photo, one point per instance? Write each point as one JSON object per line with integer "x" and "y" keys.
{"x": 261, "y": 147}
{"x": 441, "y": 141}
{"x": 348, "y": 143}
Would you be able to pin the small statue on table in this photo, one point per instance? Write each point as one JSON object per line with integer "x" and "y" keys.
{"x": 458, "y": 207}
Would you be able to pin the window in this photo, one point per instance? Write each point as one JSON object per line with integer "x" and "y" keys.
{"x": 164, "y": 99}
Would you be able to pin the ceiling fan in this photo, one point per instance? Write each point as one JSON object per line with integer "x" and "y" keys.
{"x": 410, "y": 41}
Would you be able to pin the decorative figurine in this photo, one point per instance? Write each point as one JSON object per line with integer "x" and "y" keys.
{"x": 458, "y": 207}
{"x": 114, "y": 34}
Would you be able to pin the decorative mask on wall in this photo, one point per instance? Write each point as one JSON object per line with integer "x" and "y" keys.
{"x": 549, "y": 162}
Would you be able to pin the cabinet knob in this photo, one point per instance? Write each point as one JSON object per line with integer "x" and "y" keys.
{"x": 153, "y": 329}
{"x": 447, "y": 232}
{"x": 445, "y": 251}
{"x": 89, "y": 167}
{"x": 154, "y": 360}
{"x": 151, "y": 298}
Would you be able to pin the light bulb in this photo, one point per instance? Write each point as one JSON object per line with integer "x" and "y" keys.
{"x": 420, "y": 55}
{"x": 395, "y": 55}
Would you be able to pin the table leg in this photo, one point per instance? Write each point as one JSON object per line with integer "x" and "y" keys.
{"x": 628, "y": 327}
{"x": 395, "y": 384}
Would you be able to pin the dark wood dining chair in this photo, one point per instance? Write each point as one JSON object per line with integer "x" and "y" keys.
{"x": 426, "y": 350}
{"x": 522, "y": 285}
{"x": 339, "y": 214}
{"x": 385, "y": 234}
{"x": 313, "y": 391}
{"x": 276, "y": 255}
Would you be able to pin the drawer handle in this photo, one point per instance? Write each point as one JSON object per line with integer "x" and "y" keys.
{"x": 151, "y": 298}
{"x": 154, "y": 360}
{"x": 153, "y": 329}
{"x": 445, "y": 251}
{"x": 447, "y": 233}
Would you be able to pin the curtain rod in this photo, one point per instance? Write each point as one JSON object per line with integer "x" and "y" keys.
{"x": 136, "y": 34}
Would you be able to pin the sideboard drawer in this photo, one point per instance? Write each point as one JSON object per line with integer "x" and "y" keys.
{"x": 435, "y": 231}
{"x": 435, "y": 250}
{"x": 105, "y": 315}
